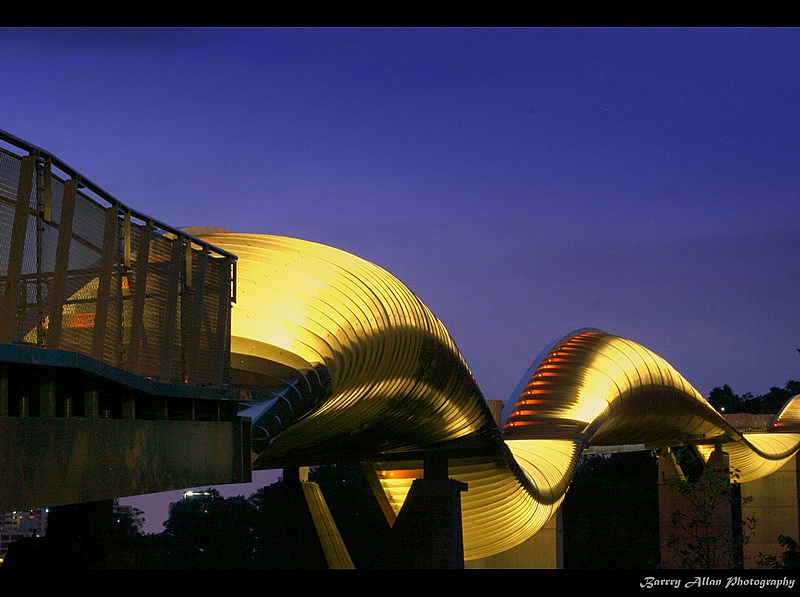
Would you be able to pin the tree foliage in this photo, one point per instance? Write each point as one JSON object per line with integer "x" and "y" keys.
{"x": 210, "y": 531}
{"x": 790, "y": 558}
{"x": 129, "y": 524}
{"x": 725, "y": 400}
{"x": 702, "y": 538}
{"x": 610, "y": 513}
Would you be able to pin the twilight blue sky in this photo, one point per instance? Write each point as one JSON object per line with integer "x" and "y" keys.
{"x": 523, "y": 182}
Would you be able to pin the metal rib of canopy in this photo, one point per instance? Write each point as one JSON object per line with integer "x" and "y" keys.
{"x": 359, "y": 369}
{"x": 610, "y": 391}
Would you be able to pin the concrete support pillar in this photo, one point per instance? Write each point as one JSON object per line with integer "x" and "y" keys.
{"x": 428, "y": 531}
{"x": 708, "y": 542}
{"x": 47, "y": 399}
{"x": 290, "y": 537}
{"x": 670, "y": 501}
{"x": 775, "y": 505}
{"x": 721, "y": 523}
{"x": 92, "y": 404}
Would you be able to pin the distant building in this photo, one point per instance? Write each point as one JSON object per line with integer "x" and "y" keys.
{"x": 33, "y": 523}
{"x": 19, "y": 524}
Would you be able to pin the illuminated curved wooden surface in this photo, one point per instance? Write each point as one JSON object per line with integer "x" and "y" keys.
{"x": 367, "y": 373}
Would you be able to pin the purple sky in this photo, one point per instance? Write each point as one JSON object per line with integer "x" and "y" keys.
{"x": 523, "y": 182}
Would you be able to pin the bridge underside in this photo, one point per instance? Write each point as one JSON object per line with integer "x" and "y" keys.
{"x": 73, "y": 430}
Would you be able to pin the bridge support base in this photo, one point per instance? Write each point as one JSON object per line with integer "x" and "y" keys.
{"x": 299, "y": 529}
{"x": 428, "y": 531}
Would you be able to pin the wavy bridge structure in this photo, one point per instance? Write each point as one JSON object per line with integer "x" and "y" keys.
{"x": 138, "y": 358}
{"x": 361, "y": 370}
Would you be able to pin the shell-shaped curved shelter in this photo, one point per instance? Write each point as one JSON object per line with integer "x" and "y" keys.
{"x": 352, "y": 366}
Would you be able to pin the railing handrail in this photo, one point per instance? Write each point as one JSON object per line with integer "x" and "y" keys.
{"x": 102, "y": 193}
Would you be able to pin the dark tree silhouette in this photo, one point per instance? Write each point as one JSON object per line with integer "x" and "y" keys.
{"x": 610, "y": 513}
{"x": 129, "y": 523}
{"x": 725, "y": 400}
{"x": 210, "y": 531}
{"x": 790, "y": 558}
{"x": 699, "y": 539}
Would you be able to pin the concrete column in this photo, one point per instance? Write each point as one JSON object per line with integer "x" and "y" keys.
{"x": 47, "y": 399}
{"x": 679, "y": 501}
{"x": 775, "y": 505}
{"x": 428, "y": 531}
{"x": 669, "y": 502}
{"x": 721, "y": 519}
{"x": 290, "y": 537}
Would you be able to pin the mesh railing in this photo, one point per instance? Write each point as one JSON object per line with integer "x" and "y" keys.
{"x": 81, "y": 272}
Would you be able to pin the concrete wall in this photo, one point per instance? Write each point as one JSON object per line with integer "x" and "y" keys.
{"x": 775, "y": 506}
{"x": 51, "y": 461}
